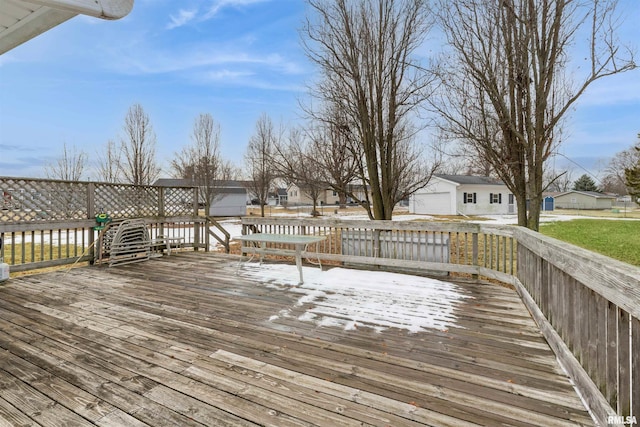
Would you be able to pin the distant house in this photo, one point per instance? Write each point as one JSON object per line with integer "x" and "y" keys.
{"x": 359, "y": 192}
{"x": 463, "y": 195}
{"x": 299, "y": 195}
{"x": 230, "y": 196}
{"x": 583, "y": 200}
{"x": 278, "y": 197}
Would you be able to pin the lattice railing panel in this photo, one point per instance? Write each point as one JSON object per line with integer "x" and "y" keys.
{"x": 27, "y": 200}
{"x": 41, "y": 200}
{"x": 178, "y": 201}
{"x": 127, "y": 201}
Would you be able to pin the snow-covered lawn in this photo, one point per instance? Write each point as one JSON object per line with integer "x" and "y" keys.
{"x": 349, "y": 298}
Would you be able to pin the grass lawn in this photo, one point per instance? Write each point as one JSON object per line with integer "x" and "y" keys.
{"x": 615, "y": 239}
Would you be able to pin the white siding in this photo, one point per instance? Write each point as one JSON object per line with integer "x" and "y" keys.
{"x": 443, "y": 197}
{"x": 483, "y": 205}
{"x": 234, "y": 204}
{"x": 574, "y": 200}
{"x": 434, "y": 204}
{"x": 437, "y": 198}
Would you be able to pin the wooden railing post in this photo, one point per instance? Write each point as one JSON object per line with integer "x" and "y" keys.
{"x": 91, "y": 214}
{"x": 474, "y": 249}
{"x": 196, "y": 225}
{"x": 207, "y": 239}
{"x": 161, "y": 208}
{"x": 624, "y": 363}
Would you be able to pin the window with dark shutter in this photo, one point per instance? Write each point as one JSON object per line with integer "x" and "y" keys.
{"x": 464, "y": 197}
{"x": 490, "y": 198}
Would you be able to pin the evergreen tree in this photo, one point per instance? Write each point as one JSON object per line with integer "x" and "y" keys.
{"x": 585, "y": 183}
{"x": 632, "y": 177}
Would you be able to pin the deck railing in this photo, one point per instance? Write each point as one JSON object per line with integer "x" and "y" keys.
{"x": 587, "y": 305}
{"x": 463, "y": 248}
{"x": 45, "y": 223}
{"x": 593, "y": 304}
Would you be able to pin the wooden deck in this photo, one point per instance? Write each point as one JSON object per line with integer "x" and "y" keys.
{"x": 184, "y": 341}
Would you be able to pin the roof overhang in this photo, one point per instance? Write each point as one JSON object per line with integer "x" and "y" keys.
{"x": 22, "y": 20}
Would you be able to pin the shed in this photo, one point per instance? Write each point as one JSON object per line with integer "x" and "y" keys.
{"x": 548, "y": 203}
{"x": 583, "y": 200}
{"x": 230, "y": 198}
{"x": 463, "y": 195}
{"x": 229, "y": 201}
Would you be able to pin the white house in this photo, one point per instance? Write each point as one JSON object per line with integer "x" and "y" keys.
{"x": 278, "y": 197}
{"x": 463, "y": 195}
{"x": 299, "y": 195}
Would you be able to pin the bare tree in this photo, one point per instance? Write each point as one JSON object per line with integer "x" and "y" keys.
{"x": 259, "y": 160}
{"x": 334, "y": 156}
{"x": 558, "y": 181}
{"x": 296, "y": 160}
{"x": 365, "y": 52}
{"x": 201, "y": 162}
{"x": 109, "y": 163}
{"x": 632, "y": 175}
{"x": 504, "y": 87}
{"x": 68, "y": 167}
{"x": 614, "y": 178}
{"x": 138, "y": 148}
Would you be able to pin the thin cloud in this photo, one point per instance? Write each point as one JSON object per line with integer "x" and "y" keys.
{"x": 218, "y": 5}
{"x": 184, "y": 17}
{"x": 614, "y": 90}
{"x": 225, "y": 75}
{"x": 139, "y": 61}
{"x": 247, "y": 79}
{"x": 16, "y": 147}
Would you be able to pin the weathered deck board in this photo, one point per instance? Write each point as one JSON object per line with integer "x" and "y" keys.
{"x": 183, "y": 340}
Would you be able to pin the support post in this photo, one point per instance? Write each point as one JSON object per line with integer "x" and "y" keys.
{"x": 91, "y": 214}
{"x": 474, "y": 249}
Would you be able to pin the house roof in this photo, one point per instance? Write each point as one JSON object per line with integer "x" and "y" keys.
{"x": 470, "y": 179}
{"x": 173, "y": 182}
{"x": 21, "y": 21}
{"x": 181, "y": 182}
{"x": 231, "y": 190}
{"x": 587, "y": 193}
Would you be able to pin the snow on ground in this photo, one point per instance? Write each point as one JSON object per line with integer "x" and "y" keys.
{"x": 513, "y": 219}
{"x": 233, "y": 227}
{"x": 544, "y": 218}
{"x": 354, "y": 298}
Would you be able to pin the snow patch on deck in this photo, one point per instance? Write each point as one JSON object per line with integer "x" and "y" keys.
{"x": 355, "y": 298}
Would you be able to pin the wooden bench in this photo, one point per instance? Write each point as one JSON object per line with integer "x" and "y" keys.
{"x": 166, "y": 242}
{"x": 299, "y": 242}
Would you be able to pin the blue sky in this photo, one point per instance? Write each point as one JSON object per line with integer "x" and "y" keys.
{"x": 234, "y": 59}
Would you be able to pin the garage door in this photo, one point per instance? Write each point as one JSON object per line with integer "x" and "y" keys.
{"x": 433, "y": 204}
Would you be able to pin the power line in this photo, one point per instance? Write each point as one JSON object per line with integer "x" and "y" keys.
{"x": 580, "y": 166}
